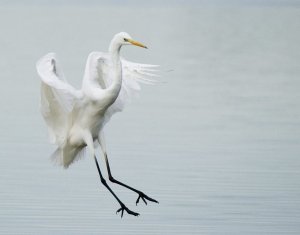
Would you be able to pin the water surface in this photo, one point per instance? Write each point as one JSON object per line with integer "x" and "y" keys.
{"x": 217, "y": 143}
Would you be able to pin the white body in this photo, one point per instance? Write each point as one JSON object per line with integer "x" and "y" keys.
{"x": 75, "y": 118}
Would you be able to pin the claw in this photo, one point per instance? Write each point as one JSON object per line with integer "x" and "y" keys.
{"x": 144, "y": 197}
{"x": 123, "y": 207}
{"x": 144, "y": 200}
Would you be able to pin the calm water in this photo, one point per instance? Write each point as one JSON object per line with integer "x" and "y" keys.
{"x": 217, "y": 143}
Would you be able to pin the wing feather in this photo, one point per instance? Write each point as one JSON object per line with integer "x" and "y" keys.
{"x": 132, "y": 75}
{"x": 57, "y": 97}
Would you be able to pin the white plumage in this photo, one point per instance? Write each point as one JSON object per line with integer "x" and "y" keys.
{"x": 75, "y": 117}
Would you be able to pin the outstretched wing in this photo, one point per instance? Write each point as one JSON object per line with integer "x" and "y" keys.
{"x": 57, "y": 97}
{"x": 97, "y": 70}
{"x": 132, "y": 75}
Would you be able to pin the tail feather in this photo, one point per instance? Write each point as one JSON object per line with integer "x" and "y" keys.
{"x": 66, "y": 156}
{"x": 56, "y": 157}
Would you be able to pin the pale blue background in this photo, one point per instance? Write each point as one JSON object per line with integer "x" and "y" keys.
{"x": 217, "y": 142}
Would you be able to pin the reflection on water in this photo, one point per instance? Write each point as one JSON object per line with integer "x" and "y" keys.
{"x": 217, "y": 143}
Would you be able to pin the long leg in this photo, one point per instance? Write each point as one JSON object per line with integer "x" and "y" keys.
{"x": 112, "y": 179}
{"x": 140, "y": 193}
{"x": 90, "y": 144}
{"x": 123, "y": 207}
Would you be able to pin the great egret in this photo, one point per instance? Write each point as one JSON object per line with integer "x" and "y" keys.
{"x": 75, "y": 118}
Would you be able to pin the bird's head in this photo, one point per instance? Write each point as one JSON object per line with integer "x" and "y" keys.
{"x": 123, "y": 38}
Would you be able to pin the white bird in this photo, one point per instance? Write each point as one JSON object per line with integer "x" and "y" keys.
{"x": 75, "y": 118}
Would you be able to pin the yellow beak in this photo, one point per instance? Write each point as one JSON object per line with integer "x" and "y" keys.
{"x": 136, "y": 43}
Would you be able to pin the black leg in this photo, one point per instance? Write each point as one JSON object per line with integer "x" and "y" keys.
{"x": 123, "y": 207}
{"x": 141, "y": 194}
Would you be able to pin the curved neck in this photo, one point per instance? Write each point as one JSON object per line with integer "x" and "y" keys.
{"x": 114, "y": 48}
{"x": 115, "y": 87}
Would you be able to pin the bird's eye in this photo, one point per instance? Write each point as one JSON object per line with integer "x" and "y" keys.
{"x": 125, "y": 40}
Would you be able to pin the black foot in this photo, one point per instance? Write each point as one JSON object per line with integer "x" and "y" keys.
{"x": 144, "y": 197}
{"x": 123, "y": 207}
